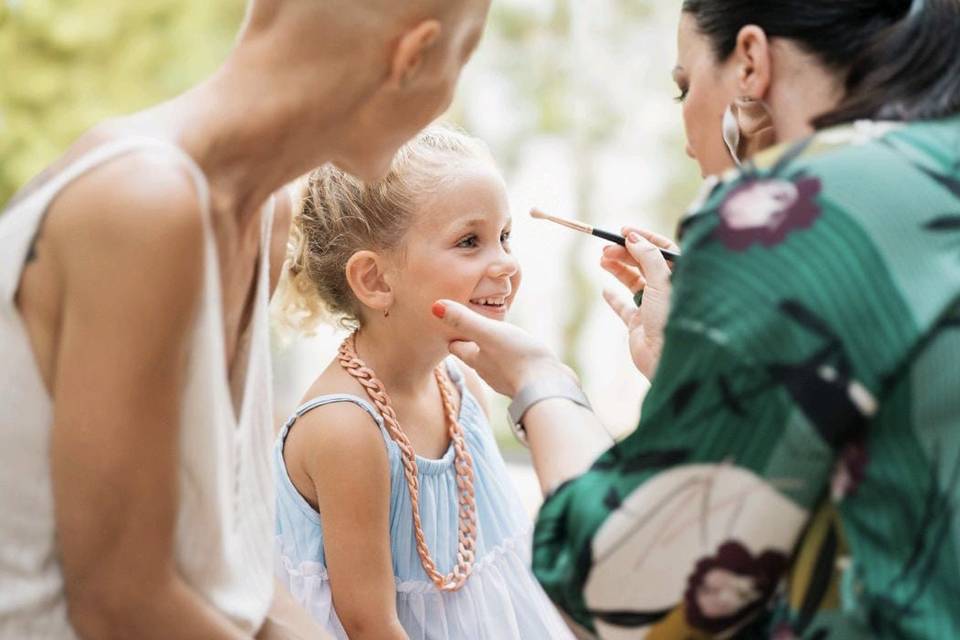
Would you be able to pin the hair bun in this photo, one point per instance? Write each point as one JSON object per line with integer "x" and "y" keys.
{"x": 894, "y": 9}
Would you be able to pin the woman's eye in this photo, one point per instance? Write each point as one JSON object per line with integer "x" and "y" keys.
{"x": 468, "y": 242}
{"x": 683, "y": 94}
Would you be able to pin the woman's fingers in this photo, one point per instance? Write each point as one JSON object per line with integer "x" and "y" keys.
{"x": 504, "y": 355}
{"x": 469, "y": 326}
{"x": 620, "y": 307}
{"x": 661, "y": 241}
{"x": 466, "y": 351}
{"x": 628, "y": 275}
{"x": 653, "y": 265}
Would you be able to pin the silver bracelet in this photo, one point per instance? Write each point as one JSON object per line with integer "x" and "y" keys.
{"x": 538, "y": 391}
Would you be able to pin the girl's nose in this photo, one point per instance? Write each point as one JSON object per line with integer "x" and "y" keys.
{"x": 504, "y": 266}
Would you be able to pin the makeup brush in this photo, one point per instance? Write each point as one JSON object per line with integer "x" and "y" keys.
{"x": 583, "y": 227}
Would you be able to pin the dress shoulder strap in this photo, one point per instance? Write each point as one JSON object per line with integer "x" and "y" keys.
{"x": 321, "y": 401}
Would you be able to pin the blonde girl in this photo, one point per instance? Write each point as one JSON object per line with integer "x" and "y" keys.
{"x": 396, "y": 518}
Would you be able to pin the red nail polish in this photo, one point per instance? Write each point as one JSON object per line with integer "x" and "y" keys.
{"x": 439, "y": 310}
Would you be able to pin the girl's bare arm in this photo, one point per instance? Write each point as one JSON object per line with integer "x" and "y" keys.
{"x": 341, "y": 452}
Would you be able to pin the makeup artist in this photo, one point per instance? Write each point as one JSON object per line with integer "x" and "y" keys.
{"x": 795, "y": 472}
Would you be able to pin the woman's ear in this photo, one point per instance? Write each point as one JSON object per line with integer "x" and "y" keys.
{"x": 752, "y": 59}
{"x": 410, "y": 52}
{"x": 367, "y": 277}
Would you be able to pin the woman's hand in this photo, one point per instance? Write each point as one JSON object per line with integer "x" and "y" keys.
{"x": 564, "y": 437}
{"x": 643, "y": 270}
{"x": 504, "y": 355}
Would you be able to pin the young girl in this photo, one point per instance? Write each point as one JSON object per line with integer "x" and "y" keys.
{"x": 396, "y": 518}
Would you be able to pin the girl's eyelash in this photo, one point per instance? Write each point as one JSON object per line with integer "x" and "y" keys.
{"x": 463, "y": 242}
{"x": 682, "y": 96}
{"x": 470, "y": 241}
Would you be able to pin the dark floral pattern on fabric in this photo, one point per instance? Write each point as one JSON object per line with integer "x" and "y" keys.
{"x": 783, "y": 632}
{"x": 766, "y": 210}
{"x": 729, "y": 588}
{"x": 850, "y": 471}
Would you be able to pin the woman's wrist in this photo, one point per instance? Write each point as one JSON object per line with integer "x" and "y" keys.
{"x": 541, "y": 391}
{"x": 546, "y": 368}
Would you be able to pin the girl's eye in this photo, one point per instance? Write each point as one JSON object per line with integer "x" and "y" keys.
{"x": 683, "y": 94}
{"x": 469, "y": 242}
{"x": 505, "y": 237}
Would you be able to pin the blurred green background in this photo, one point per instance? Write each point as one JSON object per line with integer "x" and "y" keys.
{"x": 65, "y": 64}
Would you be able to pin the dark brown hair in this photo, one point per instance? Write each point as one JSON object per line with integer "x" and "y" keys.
{"x": 901, "y": 58}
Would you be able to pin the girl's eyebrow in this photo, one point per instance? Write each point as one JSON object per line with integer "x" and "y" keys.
{"x": 478, "y": 221}
{"x": 468, "y": 224}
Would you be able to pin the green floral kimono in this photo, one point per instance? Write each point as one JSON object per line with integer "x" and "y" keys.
{"x": 796, "y": 471}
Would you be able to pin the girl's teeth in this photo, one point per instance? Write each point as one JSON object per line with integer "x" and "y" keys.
{"x": 487, "y": 302}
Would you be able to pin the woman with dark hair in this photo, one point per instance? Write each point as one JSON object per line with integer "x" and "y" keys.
{"x": 795, "y": 471}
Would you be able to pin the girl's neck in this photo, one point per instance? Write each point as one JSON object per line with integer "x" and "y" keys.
{"x": 403, "y": 364}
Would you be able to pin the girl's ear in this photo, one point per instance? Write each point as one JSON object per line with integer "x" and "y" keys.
{"x": 367, "y": 277}
{"x": 754, "y": 65}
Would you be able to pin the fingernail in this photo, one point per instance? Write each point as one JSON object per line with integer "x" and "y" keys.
{"x": 439, "y": 309}
{"x": 633, "y": 237}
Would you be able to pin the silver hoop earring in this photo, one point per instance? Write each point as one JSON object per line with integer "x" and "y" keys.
{"x": 731, "y": 133}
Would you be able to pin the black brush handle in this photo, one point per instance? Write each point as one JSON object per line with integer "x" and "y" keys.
{"x": 620, "y": 240}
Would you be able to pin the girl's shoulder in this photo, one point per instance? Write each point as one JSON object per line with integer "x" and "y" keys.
{"x": 335, "y": 429}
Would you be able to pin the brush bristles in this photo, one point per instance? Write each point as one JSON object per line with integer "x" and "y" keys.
{"x": 570, "y": 224}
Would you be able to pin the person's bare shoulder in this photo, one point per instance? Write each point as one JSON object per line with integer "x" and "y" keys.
{"x": 334, "y": 442}
{"x": 144, "y": 195}
{"x": 127, "y": 242}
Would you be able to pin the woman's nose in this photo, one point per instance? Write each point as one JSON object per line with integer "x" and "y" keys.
{"x": 689, "y": 151}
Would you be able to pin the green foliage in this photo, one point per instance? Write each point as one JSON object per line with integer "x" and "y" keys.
{"x": 65, "y": 64}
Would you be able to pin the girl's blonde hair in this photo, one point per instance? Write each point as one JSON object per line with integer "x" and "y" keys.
{"x": 339, "y": 215}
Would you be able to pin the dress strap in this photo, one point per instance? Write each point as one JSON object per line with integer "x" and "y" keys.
{"x": 321, "y": 401}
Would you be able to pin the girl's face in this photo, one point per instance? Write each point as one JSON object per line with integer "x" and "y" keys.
{"x": 706, "y": 89}
{"x": 458, "y": 247}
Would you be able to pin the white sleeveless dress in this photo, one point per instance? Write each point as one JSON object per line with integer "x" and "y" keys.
{"x": 224, "y": 531}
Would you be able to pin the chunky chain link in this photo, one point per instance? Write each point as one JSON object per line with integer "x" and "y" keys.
{"x": 463, "y": 464}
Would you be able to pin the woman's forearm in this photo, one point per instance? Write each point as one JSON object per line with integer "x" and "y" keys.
{"x": 564, "y": 440}
{"x": 287, "y": 620}
{"x": 169, "y": 610}
{"x": 364, "y": 628}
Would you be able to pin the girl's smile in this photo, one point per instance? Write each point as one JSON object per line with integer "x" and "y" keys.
{"x": 458, "y": 248}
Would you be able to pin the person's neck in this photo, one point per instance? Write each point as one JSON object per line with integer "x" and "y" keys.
{"x": 251, "y": 129}
{"x": 810, "y": 92}
{"x": 404, "y": 366}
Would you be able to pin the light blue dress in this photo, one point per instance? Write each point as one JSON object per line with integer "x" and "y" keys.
{"x": 501, "y": 600}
